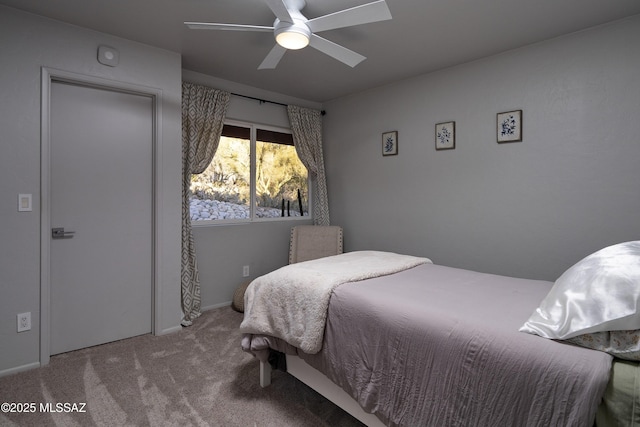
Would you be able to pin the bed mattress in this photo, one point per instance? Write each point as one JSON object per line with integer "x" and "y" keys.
{"x": 435, "y": 345}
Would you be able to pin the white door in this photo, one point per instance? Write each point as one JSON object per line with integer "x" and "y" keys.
{"x": 101, "y": 278}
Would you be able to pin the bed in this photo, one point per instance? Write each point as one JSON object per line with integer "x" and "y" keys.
{"x": 411, "y": 343}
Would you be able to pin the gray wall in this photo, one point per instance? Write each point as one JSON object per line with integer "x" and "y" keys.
{"x": 27, "y": 43}
{"x": 529, "y": 209}
{"x": 222, "y": 250}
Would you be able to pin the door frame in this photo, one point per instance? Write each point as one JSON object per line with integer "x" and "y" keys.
{"x": 49, "y": 76}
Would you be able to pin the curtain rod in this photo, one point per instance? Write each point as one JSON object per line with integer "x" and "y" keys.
{"x": 264, "y": 101}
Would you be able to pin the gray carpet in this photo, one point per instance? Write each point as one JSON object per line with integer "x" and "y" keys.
{"x": 196, "y": 377}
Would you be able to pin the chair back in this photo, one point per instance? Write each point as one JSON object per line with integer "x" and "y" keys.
{"x": 314, "y": 241}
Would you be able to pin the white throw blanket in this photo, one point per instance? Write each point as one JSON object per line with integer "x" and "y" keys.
{"x": 291, "y": 303}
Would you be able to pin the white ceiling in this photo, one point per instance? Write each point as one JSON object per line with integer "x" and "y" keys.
{"x": 423, "y": 36}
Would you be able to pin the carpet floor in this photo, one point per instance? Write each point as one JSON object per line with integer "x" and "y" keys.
{"x": 196, "y": 377}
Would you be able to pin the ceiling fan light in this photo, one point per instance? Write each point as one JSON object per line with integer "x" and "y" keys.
{"x": 293, "y": 37}
{"x": 292, "y": 40}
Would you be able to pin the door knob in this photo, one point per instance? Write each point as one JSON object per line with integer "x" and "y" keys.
{"x": 59, "y": 233}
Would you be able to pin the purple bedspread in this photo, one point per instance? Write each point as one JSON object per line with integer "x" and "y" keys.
{"x": 439, "y": 346}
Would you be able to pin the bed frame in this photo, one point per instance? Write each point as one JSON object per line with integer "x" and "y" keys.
{"x": 323, "y": 385}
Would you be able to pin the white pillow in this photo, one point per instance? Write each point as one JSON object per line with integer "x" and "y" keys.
{"x": 598, "y": 294}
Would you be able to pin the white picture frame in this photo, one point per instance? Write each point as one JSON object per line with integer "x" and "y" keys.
{"x": 509, "y": 126}
{"x": 390, "y": 143}
{"x": 445, "y": 136}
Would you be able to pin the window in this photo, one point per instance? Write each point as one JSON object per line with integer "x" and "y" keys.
{"x": 255, "y": 175}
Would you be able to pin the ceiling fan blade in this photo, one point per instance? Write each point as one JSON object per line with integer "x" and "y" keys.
{"x": 227, "y": 27}
{"x": 364, "y": 14}
{"x": 272, "y": 58}
{"x": 279, "y": 8}
{"x": 336, "y": 51}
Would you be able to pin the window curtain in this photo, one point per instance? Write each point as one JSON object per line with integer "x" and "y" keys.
{"x": 306, "y": 127}
{"x": 203, "y": 113}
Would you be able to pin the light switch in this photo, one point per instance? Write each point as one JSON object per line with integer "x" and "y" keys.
{"x": 24, "y": 203}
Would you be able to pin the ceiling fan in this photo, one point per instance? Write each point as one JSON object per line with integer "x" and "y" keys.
{"x": 293, "y": 31}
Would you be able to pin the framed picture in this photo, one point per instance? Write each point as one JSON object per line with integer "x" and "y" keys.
{"x": 446, "y": 136}
{"x": 509, "y": 126}
{"x": 390, "y": 143}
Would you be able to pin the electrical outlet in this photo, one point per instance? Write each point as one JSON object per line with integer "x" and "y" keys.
{"x": 245, "y": 271}
{"x": 24, "y": 322}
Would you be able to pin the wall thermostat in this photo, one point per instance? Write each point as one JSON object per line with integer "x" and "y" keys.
{"x": 108, "y": 56}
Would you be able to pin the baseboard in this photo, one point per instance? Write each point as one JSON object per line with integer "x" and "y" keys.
{"x": 170, "y": 330}
{"x": 17, "y": 369}
{"x": 213, "y": 307}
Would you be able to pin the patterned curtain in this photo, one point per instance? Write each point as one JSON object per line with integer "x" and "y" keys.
{"x": 203, "y": 113}
{"x": 306, "y": 127}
